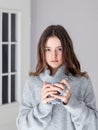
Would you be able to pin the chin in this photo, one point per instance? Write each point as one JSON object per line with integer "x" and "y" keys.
{"x": 55, "y": 66}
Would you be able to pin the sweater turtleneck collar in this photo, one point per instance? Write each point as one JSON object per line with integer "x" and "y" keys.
{"x": 57, "y": 77}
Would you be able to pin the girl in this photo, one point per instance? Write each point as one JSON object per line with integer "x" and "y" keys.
{"x": 57, "y": 96}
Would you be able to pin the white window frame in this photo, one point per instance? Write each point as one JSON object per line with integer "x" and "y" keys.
{"x": 7, "y": 108}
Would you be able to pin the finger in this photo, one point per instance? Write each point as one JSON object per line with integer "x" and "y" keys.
{"x": 66, "y": 83}
{"x": 48, "y": 93}
{"x": 46, "y": 100}
{"x": 58, "y": 96}
{"x": 54, "y": 88}
{"x": 48, "y": 89}
{"x": 46, "y": 85}
{"x": 45, "y": 91}
{"x": 67, "y": 91}
{"x": 67, "y": 94}
{"x": 60, "y": 85}
{"x": 64, "y": 99}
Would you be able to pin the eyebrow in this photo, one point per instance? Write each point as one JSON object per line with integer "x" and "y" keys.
{"x": 50, "y": 47}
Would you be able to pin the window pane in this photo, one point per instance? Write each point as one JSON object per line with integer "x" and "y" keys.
{"x": 13, "y": 52}
{"x": 13, "y": 27}
{"x": 4, "y": 89}
{"x": 12, "y": 88}
{"x": 4, "y": 58}
{"x": 5, "y": 27}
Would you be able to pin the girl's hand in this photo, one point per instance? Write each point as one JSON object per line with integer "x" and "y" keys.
{"x": 46, "y": 91}
{"x": 66, "y": 96}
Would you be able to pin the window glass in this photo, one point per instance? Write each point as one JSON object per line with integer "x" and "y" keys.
{"x": 12, "y": 88}
{"x": 4, "y": 89}
{"x": 8, "y": 54}
{"x": 13, "y": 27}
{"x": 5, "y": 27}
{"x": 4, "y": 58}
{"x": 13, "y": 52}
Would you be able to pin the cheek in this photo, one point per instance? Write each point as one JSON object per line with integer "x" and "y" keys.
{"x": 46, "y": 57}
{"x": 60, "y": 56}
{"x": 61, "y": 59}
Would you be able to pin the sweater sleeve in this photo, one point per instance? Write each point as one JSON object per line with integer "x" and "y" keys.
{"x": 33, "y": 117}
{"x": 83, "y": 113}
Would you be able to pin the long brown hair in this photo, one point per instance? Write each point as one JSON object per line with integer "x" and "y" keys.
{"x": 70, "y": 58}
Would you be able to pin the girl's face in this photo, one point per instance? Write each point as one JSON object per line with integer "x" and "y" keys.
{"x": 54, "y": 53}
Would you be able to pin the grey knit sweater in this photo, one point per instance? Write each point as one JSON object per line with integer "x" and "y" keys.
{"x": 79, "y": 114}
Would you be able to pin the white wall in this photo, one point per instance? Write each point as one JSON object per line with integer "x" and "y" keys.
{"x": 80, "y": 18}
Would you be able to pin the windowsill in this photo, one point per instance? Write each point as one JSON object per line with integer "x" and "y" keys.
{"x": 9, "y": 105}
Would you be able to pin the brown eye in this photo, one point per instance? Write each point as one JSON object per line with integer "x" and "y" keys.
{"x": 47, "y": 49}
{"x": 59, "y": 49}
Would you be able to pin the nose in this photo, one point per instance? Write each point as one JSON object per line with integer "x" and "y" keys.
{"x": 54, "y": 54}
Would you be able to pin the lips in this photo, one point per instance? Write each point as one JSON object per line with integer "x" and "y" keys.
{"x": 54, "y": 61}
